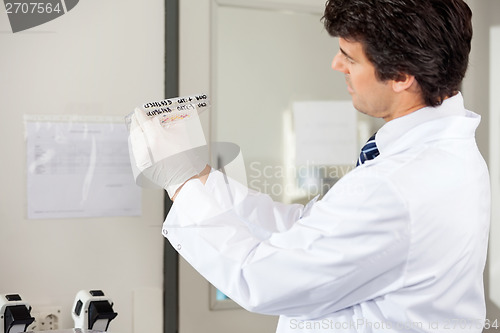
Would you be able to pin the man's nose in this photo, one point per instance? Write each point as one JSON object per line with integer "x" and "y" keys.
{"x": 338, "y": 64}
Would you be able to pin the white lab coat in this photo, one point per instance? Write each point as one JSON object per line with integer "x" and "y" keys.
{"x": 398, "y": 244}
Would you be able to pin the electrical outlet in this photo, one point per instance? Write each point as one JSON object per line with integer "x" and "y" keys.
{"x": 47, "y": 318}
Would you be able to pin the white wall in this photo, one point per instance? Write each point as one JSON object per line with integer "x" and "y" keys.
{"x": 100, "y": 59}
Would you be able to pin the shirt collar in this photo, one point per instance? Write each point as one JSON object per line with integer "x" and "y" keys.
{"x": 392, "y": 130}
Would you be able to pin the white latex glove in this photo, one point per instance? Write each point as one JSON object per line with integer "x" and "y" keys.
{"x": 166, "y": 157}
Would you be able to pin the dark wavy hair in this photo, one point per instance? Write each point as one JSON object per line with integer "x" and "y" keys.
{"x": 429, "y": 39}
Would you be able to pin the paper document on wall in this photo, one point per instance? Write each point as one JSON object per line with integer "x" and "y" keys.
{"x": 79, "y": 169}
{"x": 325, "y": 133}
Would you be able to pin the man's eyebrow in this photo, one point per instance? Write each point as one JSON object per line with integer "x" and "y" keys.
{"x": 345, "y": 54}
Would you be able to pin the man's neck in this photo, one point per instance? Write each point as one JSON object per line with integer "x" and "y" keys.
{"x": 407, "y": 101}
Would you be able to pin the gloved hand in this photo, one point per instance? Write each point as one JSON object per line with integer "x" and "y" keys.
{"x": 166, "y": 157}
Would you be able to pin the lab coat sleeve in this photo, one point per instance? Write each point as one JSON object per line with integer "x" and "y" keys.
{"x": 258, "y": 211}
{"x": 352, "y": 247}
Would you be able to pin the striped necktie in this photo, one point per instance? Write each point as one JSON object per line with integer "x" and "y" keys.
{"x": 369, "y": 151}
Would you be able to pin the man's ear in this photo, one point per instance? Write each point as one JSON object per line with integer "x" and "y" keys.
{"x": 403, "y": 82}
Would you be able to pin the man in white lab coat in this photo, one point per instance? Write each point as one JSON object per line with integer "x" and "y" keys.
{"x": 398, "y": 244}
